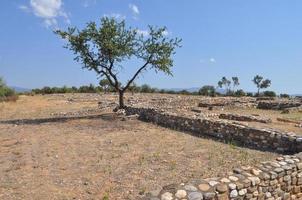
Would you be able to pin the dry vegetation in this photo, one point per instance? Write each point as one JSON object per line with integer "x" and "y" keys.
{"x": 100, "y": 156}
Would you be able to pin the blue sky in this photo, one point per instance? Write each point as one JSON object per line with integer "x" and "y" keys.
{"x": 220, "y": 38}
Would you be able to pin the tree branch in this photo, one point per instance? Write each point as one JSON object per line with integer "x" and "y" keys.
{"x": 136, "y": 74}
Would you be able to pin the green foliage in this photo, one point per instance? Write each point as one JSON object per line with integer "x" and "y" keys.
{"x": 226, "y": 84}
{"x": 103, "y": 49}
{"x": 6, "y": 93}
{"x": 61, "y": 90}
{"x": 269, "y": 94}
{"x": 207, "y": 90}
{"x": 236, "y": 83}
{"x": 240, "y": 93}
{"x": 261, "y": 83}
{"x": 285, "y": 96}
{"x": 249, "y": 94}
{"x": 147, "y": 89}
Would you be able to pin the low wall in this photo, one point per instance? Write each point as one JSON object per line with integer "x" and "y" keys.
{"x": 280, "y": 179}
{"x": 278, "y": 105}
{"x": 246, "y": 118}
{"x": 263, "y": 139}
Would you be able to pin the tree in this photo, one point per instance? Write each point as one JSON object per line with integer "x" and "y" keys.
{"x": 105, "y": 85}
{"x": 106, "y": 48}
{"x": 224, "y": 82}
{"x": 133, "y": 88}
{"x": 2, "y": 83}
{"x": 207, "y": 90}
{"x": 261, "y": 83}
{"x": 235, "y": 82}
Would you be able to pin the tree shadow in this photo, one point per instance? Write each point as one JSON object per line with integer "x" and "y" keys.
{"x": 37, "y": 121}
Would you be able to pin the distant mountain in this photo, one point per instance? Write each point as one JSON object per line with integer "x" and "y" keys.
{"x": 193, "y": 89}
{"x": 20, "y": 89}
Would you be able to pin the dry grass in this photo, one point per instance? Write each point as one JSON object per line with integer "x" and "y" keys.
{"x": 102, "y": 157}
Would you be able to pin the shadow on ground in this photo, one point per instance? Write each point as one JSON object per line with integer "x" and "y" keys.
{"x": 37, "y": 121}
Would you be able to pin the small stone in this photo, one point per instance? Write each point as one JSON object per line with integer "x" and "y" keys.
{"x": 268, "y": 195}
{"x": 290, "y": 161}
{"x": 232, "y": 186}
{"x": 213, "y": 183}
{"x": 225, "y": 180}
{"x": 221, "y": 188}
{"x": 282, "y": 163}
{"x": 209, "y": 195}
{"x": 167, "y": 196}
{"x": 278, "y": 170}
{"x": 181, "y": 194}
{"x": 255, "y": 172}
{"x": 190, "y": 188}
{"x": 204, "y": 187}
{"x": 233, "y": 178}
{"x": 274, "y": 164}
{"x": 195, "y": 196}
{"x": 242, "y": 192}
{"x": 255, "y": 180}
{"x": 299, "y": 165}
{"x": 233, "y": 194}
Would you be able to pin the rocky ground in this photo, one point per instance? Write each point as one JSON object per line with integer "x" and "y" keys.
{"x": 73, "y": 147}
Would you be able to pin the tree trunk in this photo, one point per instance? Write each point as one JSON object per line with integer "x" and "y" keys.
{"x": 121, "y": 99}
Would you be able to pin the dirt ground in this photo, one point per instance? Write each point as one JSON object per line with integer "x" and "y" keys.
{"x": 100, "y": 156}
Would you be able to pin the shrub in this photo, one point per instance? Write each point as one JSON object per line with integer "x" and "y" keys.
{"x": 207, "y": 90}
{"x": 249, "y": 94}
{"x": 239, "y": 93}
{"x": 6, "y": 93}
{"x": 269, "y": 94}
{"x": 284, "y": 95}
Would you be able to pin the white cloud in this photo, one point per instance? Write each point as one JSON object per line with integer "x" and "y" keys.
{"x": 24, "y": 8}
{"x": 87, "y": 3}
{"x": 212, "y": 60}
{"x": 135, "y": 11}
{"x": 48, "y": 10}
{"x": 166, "y": 33}
{"x": 116, "y": 16}
{"x": 207, "y": 60}
{"x": 145, "y": 33}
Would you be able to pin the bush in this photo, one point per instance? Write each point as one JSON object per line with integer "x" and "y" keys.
{"x": 6, "y": 93}
{"x": 239, "y": 93}
{"x": 269, "y": 94}
{"x": 249, "y": 94}
{"x": 207, "y": 90}
{"x": 284, "y": 96}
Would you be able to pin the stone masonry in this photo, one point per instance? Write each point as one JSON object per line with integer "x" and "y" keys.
{"x": 224, "y": 130}
{"x": 247, "y": 118}
{"x": 280, "y": 179}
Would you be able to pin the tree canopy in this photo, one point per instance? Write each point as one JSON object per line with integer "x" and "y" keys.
{"x": 261, "y": 83}
{"x": 104, "y": 49}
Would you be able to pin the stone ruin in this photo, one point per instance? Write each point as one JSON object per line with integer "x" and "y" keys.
{"x": 281, "y": 179}
{"x": 279, "y": 104}
{"x": 247, "y": 118}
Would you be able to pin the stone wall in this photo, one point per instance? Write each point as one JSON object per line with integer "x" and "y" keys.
{"x": 246, "y": 118}
{"x": 224, "y": 130}
{"x": 278, "y": 105}
{"x": 280, "y": 179}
